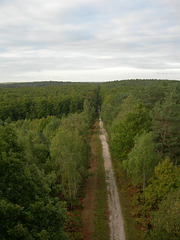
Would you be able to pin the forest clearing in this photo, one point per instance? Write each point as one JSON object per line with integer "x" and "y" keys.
{"x": 57, "y": 180}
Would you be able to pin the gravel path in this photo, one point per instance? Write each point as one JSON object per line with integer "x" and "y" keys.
{"x": 115, "y": 216}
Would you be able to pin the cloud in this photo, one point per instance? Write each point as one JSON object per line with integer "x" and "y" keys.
{"x": 43, "y": 39}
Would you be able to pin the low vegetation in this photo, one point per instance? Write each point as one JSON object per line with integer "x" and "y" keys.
{"x": 101, "y": 219}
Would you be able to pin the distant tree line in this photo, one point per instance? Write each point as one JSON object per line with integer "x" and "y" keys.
{"x": 37, "y": 102}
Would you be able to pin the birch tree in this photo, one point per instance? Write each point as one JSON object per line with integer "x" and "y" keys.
{"x": 141, "y": 160}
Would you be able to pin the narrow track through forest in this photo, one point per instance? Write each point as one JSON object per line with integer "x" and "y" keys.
{"x": 115, "y": 216}
{"x": 101, "y": 185}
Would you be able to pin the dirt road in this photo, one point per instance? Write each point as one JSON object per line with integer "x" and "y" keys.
{"x": 115, "y": 216}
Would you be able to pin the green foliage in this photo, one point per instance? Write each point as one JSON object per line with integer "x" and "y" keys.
{"x": 47, "y": 159}
{"x": 28, "y": 205}
{"x": 124, "y": 130}
{"x": 141, "y": 160}
{"x": 70, "y": 151}
{"x": 8, "y": 141}
{"x": 149, "y": 92}
{"x": 89, "y": 113}
{"x": 161, "y": 101}
{"x": 127, "y": 106}
{"x": 40, "y": 219}
{"x": 166, "y": 221}
{"x": 166, "y": 118}
{"x": 166, "y": 180}
{"x": 43, "y": 156}
{"x": 111, "y": 107}
{"x": 35, "y": 136}
{"x": 37, "y": 102}
{"x": 131, "y": 143}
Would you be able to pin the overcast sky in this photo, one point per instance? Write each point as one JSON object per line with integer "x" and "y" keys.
{"x": 89, "y": 40}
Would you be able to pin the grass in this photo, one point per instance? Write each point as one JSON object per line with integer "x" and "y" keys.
{"x": 94, "y": 215}
{"x": 101, "y": 231}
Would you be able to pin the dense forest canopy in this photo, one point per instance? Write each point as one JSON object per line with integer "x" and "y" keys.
{"x": 36, "y": 102}
{"x": 158, "y": 102}
{"x": 44, "y": 151}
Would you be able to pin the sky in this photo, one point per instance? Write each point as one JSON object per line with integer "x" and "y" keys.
{"x": 89, "y": 40}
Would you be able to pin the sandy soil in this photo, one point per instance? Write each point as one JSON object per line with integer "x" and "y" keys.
{"x": 115, "y": 216}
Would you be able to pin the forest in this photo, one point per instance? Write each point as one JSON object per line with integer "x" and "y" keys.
{"x": 142, "y": 119}
{"x": 44, "y": 152}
